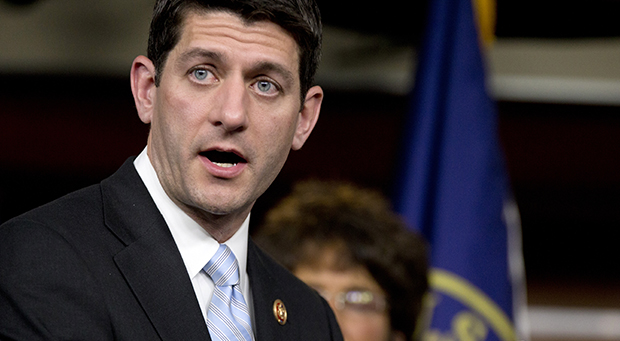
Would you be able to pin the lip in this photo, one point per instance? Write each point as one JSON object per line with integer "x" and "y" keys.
{"x": 219, "y": 171}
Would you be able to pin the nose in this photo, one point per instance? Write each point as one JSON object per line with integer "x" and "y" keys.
{"x": 230, "y": 113}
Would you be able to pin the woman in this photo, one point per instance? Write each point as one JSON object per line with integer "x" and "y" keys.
{"x": 347, "y": 243}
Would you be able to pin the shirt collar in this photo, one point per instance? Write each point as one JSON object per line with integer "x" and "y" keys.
{"x": 194, "y": 243}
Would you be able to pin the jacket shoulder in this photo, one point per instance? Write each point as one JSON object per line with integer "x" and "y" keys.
{"x": 57, "y": 213}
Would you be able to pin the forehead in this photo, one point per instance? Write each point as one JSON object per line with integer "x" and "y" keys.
{"x": 333, "y": 255}
{"x": 228, "y": 33}
{"x": 329, "y": 278}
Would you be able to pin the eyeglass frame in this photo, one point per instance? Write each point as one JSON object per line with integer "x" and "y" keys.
{"x": 357, "y": 300}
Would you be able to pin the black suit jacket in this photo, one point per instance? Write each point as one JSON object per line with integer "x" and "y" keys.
{"x": 101, "y": 264}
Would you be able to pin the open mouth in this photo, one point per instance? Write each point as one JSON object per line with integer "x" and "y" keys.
{"x": 223, "y": 159}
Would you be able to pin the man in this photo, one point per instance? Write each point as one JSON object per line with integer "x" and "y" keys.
{"x": 227, "y": 91}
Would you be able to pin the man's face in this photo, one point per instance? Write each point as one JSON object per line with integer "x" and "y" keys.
{"x": 226, "y": 113}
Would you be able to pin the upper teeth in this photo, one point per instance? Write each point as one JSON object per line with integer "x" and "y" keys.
{"x": 225, "y": 165}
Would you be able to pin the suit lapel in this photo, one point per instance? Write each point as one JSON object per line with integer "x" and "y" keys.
{"x": 266, "y": 289}
{"x": 151, "y": 262}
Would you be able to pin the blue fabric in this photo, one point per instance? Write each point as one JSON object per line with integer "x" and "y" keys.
{"x": 454, "y": 185}
{"x": 228, "y": 317}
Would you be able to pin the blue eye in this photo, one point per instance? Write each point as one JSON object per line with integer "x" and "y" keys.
{"x": 201, "y": 74}
{"x": 264, "y": 86}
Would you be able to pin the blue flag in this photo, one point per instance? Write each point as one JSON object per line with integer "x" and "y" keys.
{"x": 454, "y": 187}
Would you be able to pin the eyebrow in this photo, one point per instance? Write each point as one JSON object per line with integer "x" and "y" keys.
{"x": 200, "y": 53}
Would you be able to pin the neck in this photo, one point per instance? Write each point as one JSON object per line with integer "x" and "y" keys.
{"x": 220, "y": 226}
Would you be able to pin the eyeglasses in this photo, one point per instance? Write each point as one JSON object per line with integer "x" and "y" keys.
{"x": 360, "y": 301}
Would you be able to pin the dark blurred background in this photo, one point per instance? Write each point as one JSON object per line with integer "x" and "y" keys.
{"x": 67, "y": 117}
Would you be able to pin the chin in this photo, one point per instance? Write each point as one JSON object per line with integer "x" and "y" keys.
{"x": 220, "y": 209}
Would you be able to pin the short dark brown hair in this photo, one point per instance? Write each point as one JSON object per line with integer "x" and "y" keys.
{"x": 300, "y": 18}
{"x": 360, "y": 225}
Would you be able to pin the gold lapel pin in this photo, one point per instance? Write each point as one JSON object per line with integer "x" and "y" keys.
{"x": 279, "y": 311}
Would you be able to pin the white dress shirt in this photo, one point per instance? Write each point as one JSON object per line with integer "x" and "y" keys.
{"x": 195, "y": 244}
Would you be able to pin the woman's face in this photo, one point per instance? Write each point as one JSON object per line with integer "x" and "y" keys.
{"x": 357, "y": 300}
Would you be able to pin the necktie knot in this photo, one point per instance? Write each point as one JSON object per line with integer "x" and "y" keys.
{"x": 223, "y": 267}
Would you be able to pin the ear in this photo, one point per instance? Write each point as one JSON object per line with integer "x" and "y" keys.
{"x": 308, "y": 116}
{"x": 142, "y": 80}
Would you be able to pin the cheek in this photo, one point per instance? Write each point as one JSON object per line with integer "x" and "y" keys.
{"x": 282, "y": 127}
{"x": 373, "y": 328}
{"x": 271, "y": 125}
{"x": 177, "y": 117}
{"x": 278, "y": 142}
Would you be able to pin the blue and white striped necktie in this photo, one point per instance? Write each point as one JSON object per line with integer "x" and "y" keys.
{"x": 228, "y": 317}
